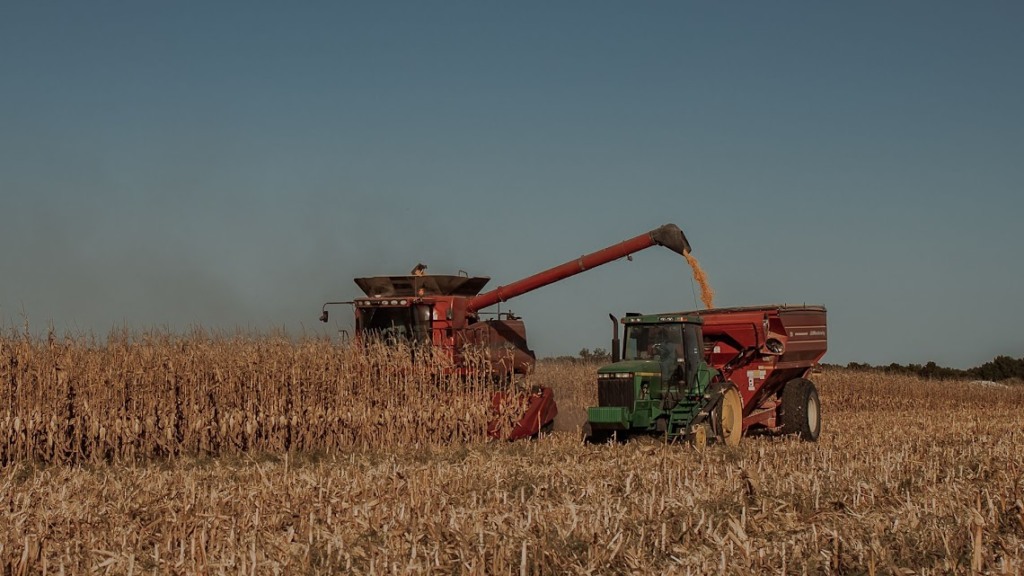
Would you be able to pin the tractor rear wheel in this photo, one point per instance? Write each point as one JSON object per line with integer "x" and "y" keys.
{"x": 728, "y": 416}
{"x": 801, "y": 409}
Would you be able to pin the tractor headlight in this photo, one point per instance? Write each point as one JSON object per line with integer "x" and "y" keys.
{"x": 615, "y": 375}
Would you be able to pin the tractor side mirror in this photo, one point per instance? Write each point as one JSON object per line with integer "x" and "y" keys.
{"x": 324, "y": 315}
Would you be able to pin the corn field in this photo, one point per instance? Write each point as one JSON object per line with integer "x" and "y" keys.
{"x": 135, "y": 397}
{"x": 259, "y": 455}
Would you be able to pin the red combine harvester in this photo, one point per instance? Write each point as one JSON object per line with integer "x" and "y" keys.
{"x": 445, "y": 312}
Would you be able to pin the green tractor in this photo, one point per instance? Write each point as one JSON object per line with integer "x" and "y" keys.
{"x": 663, "y": 386}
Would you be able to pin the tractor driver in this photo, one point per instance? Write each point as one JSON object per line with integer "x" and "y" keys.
{"x": 668, "y": 350}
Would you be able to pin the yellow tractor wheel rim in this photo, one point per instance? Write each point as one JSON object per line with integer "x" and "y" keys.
{"x": 700, "y": 437}
{"x": 732, "y": 417}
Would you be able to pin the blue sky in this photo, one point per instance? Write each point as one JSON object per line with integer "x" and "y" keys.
{"x": 235, "y": 165}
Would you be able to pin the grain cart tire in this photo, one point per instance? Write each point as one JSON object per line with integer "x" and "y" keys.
{"x": 728, "y": 416}
{"x": 801, "y": 409}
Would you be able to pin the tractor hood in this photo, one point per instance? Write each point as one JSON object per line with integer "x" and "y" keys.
{"x": 631, "y": 366}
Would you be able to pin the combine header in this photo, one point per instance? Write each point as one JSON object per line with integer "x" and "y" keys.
{"x": 445, "y": 312}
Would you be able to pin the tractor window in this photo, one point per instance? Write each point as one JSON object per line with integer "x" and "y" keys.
{"x": 662, "y": 343}
{"x": 653, "y": 341}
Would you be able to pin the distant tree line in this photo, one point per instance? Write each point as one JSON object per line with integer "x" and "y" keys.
{"x": 586, "y": 355}
{"x": 999, "y": 368}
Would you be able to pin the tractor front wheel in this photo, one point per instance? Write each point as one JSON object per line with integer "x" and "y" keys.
{"x": 699, "y": 438}
{"x": 591, "y": 436}
{"x": 801, "y": 409}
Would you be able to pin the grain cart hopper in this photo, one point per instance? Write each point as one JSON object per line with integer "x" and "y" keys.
{"x": 712, "y": 374}
{"x": 445, "y": 312}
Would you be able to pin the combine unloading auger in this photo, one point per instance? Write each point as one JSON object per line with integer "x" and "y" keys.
{"x": 669, "y": 236}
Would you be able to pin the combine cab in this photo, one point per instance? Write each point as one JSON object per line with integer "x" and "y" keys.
{"x": 445, "y": 312}
{"x": 713, "y": 374}
{"x": 432, "y": 310}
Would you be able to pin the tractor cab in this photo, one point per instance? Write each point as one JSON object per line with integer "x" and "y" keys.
{"x": 661, "y": 346}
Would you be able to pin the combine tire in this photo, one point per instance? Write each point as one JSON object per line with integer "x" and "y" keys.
{"x": 547, "y": 429}
{"x": 728, "y": 417}
{"x": 801, "y": 409}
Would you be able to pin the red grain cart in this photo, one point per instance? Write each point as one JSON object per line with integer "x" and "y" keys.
{"x": 768, "y": 352}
